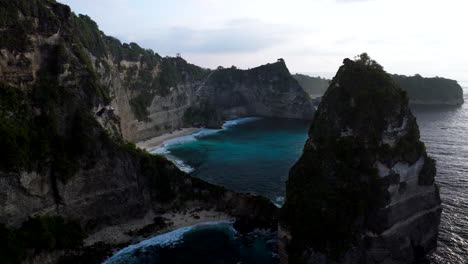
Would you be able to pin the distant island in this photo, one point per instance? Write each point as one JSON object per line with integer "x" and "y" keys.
{"x": 421, "y": 90}
{"x": 435, "y": 90}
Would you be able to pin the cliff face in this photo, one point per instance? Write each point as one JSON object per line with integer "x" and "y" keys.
{"x": 438, "y": 91}
{"x": 151, "y": 95}
{"x": 363, "y": 191}
{"x": 154, "y": 95}
{"x": 67, "y": 93}
{"x": 268, "y": 91}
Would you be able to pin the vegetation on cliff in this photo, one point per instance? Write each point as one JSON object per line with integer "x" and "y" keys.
{"x": 231, "y": 77}
{"x": 267, "y": 90}
{"x": 155, "y": 76}
{"x": 50, "y": 133}
{"x": 14, "y": 33}
{"x": 33, "y": 142}
{"x": 334, "y": 191}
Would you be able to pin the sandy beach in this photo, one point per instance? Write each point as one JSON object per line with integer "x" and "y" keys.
{"x": 119, "y": 234}
{"x": 156, "y": 142}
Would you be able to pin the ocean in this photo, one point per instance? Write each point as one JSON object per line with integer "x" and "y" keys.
{"x": 207, "y": 243}
{"x": 444, "y": 130}
{"x": 255, "y": 154}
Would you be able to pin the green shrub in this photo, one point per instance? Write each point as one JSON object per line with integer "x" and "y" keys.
{"x": 198, "y": 115}
{"x": 89, "y": 35}
{"x": 140, "y": 106}
{"x": 32, "y": 141}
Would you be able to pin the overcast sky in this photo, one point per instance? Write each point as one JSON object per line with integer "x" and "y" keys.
{"x": 313, "y": 36}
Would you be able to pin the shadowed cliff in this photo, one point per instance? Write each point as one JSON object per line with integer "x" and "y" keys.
{"x": 268, "y": 90}
{"x": 63, "y": 159}
{"x": 363, "y": 191}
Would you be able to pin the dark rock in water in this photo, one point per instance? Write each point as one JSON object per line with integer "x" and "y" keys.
{"x": 363, "y": 190}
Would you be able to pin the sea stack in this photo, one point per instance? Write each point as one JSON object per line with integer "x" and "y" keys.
{"x": 363, "y": 190}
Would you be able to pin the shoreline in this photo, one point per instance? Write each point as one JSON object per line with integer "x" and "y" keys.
{"x": 157, "y": 142}
{"x": 120, "y": 234}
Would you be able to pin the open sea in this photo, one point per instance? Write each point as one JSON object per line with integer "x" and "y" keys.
{"x": 255, "y": 154}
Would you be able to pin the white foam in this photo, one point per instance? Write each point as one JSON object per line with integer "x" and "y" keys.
{"x": 238, "y": 121}
{"x": 279, "y": 201}
{"x": 178, "y": 162}
{"x": 207, "y": 131}
{"x": 194, "y": 137}
{"x": 163, "y": 240}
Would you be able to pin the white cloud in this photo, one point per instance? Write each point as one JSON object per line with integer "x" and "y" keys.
{"x": 235, "y": 36}
{"x": 417, "y": 36}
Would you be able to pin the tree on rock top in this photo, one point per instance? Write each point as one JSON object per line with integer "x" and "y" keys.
{"x": 335, "y": 193}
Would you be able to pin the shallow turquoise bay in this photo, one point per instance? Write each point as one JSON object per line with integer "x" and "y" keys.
{"x": 255, "y": 155}
{"x": 249, "y": 155}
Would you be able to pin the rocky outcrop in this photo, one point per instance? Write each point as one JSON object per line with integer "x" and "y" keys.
{"x": 268, "y": 91}
{"x": 363, "y": 190}
{"x": 67, "y": 95}
{"x": 420, "y": 90}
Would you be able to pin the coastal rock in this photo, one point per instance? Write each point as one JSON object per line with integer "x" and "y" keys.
{"x": 363, "y": 190}
{"x": 66, "y": 103}
{"x": 420, "y": 90}
{"x": 268, "y": 91}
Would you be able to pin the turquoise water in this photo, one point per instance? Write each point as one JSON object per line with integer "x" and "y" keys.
{"x": 249, "y": 155}
{"x": 254, "y": 155}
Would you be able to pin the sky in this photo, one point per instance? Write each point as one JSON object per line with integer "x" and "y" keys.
{"x": 313, "y": 36}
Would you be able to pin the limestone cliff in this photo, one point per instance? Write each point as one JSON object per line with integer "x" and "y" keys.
{"x": 67, "y": 93}
{"x": 150, "y": 94}
{"x": 363, "y": 190}
{"x": 154, "y": 95}
{"x": 268, "y": 90}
